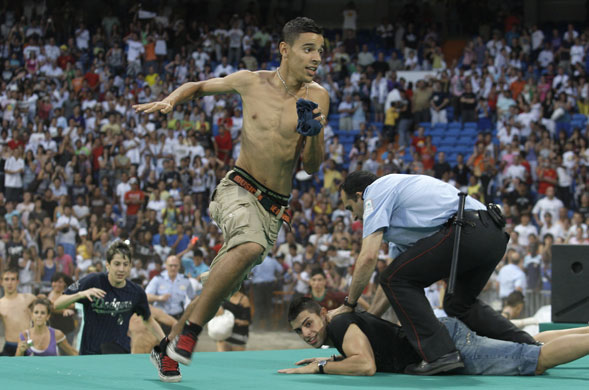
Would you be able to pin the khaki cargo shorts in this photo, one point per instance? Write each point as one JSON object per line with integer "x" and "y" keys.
{"x": 241, "y": 219}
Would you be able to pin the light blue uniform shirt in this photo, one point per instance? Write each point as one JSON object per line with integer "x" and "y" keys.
{"x": 179, "y": 289}
{"x": 409, "y": 208}
{"x": 267, "y": 271}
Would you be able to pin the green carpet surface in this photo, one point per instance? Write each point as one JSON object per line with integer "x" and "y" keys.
{"x": 249, "y": 370}
{"x": 544, "y": 326}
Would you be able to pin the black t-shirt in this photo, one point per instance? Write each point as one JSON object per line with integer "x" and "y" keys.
{"x": 469, "y": 106}
{"x": 106, "y": 320}
{"x": 461, "y": 174}
{"x": 584, "y": 212}
{"x": 522, "y": 202}
{"x": 49, "y": 206}
{"x": 392, "y": 351}
{"x": 440, "y": 168}
{"x": 438, "y": 97}
{"x": 14, "y": 250}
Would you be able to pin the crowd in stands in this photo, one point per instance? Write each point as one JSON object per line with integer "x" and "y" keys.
{"x": 505, "y": 122}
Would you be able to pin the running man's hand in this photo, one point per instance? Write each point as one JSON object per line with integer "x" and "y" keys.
{"x": 164, "y": 298}
{"x": 93, "y": 293}
{"x": 321, "y": 118}
{"x": 164, "y": 107}
{"x": 312, "y": 360}
{"x": 336, "y": 312}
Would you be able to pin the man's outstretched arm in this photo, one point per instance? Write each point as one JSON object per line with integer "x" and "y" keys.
{"x": 233, "y": 83}
{"x": 359, "y": 358}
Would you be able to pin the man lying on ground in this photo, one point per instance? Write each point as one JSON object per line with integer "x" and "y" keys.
{"x": 369, "y": 344}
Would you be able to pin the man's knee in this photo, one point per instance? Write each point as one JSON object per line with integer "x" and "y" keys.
{"x": 388, "y": 279}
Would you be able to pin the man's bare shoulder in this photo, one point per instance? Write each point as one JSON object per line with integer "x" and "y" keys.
{"x": 318, "y": 91}
{"x": 316, "y": 87}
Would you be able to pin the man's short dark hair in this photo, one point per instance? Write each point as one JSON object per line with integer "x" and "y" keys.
{"x": 317, "y": 271}
{"x": 197, "y": 253}
{"x": 11, "y": 271}
{"x": 60, "y": 275}
{"x": 300, "y": 304}
{"x": 357, "y": 181}
{"x": 118, "y": 247}
{"x": 514, "y": 299}
{"x": 300, "y": 25}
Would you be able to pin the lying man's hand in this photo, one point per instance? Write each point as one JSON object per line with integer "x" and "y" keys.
{"x": 311, "y": 368}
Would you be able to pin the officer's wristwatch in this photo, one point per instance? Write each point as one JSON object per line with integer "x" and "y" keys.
{"x": 321, "y": 364}
{"x": 348, "y": 304}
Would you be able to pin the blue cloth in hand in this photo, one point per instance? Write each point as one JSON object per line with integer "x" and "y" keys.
{"x": 307, "y": 125}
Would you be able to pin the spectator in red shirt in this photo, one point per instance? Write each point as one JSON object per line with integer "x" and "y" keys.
{"x": 64, "y": 262}
{"x": 418, "y": 140}
{"x": 427, "y": 153}
{"x": 328, "y": 299}
{"x": 92, "y": 78}
{"x": 65, "y": 57}
{"x": 134, "y": 199}
{"x": 547, "y": 176}
{"x": 223, "y": 144}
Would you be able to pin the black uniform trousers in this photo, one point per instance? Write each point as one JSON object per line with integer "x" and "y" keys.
{"x": 482, "y": 246}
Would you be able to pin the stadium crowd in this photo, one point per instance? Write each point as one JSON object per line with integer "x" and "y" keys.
{"x": 80, "y": 169}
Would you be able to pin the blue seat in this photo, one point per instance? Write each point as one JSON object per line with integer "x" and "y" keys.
{"x": 437, "y": 132}
{"x": 455, "y": 125}
{"x": 449, "y": 141}
{"x": 575, "y": 124}
{"x": 426, "y": 125}
{"x": 471, "y": 125}
{"x": 579, "y": 117}
{"x": 453, "y": 132}
{"x": 440, "y": 126}
{"x": 464, "y": 142}
{"x": 470, "y": 132}
{"x": 566, "y": 126}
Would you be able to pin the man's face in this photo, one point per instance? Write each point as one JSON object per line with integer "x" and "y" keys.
{"x": 10, "y": 282}
{"x": 119, "y": 269}
{"x": 172, "y": 266}
{"x": 318, "y": 282}
{"x": 303, "y": 56}
{"x": 58, "y": 285}
{"x": 355, "y": 204}
{"x": 312, "y": 328}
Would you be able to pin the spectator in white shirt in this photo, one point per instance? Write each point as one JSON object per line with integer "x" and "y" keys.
{"x": 13, "y": 170}
{"x": 511, "y": 277}
{"x": 576, "y": 224}
{"x": 548, "y": 204}
{"x": 546, "y": 56}
{"x": 365, "y": 57}
{"x": 82, "y": 37}
{"x": 577, "y": 52}
{"x": 524, "y": 229}
{"x": 550, "y": 228}
{"x": 224, "y": 68}
{"x": 51, "y": 50}
{"x": 537, "y": 38}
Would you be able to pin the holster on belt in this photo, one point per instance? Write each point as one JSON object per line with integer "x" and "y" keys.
{"x": 496, "y": 215}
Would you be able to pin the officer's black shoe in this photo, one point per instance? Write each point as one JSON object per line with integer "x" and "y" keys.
{"x": 449, "y": 361}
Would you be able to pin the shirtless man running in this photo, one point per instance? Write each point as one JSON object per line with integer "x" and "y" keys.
{"x": 14, "y": 311}
{"x": 250, "y": 203}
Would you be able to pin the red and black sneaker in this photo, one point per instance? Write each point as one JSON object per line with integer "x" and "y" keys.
{"x": 180, "y": 349}
{"x": 168, "y": 369}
